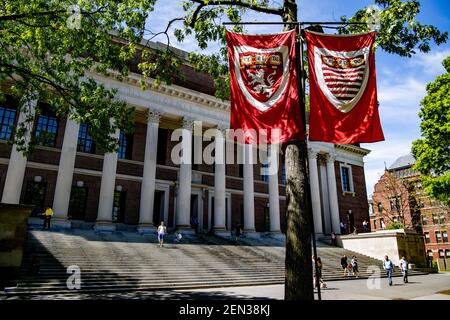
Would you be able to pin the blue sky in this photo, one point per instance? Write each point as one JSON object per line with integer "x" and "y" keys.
{"x": 401, "y": 81}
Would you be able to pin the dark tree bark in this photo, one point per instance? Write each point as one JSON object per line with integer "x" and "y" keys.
{"x": 298, "y": 283}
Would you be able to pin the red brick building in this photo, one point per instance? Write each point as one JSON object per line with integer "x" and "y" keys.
{"x": 398, "y": 198}
{"x": 140, "y": 185}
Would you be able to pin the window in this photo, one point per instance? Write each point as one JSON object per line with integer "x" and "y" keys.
{"x": 118, "y": 212}
{"x": 442, "y": 218}
{"x": 447, "y": 253}
{"x": 77, "y": 204}
{"x": 264, "y": 172}
{"x": 444, "y": 236}
{"x": 424, "y": 221}
{"x": 441, "y": 253}
{"x": 346, "y": 178}
{"x": 435, "y": 219}
{"x": 430, "y": 253}
{"x": 7, "y": 117}
{"x": 35, "y": 195}
{"x": 46, "y": 130}
{"x": 162, "y": 146}
{"x": 438, "y": 237}
{"x": 427, "y": 237}
{"x": 395, "y": 203}
{"x": 85, "y": 143}
{"x": 125, "y": 146}
{"x": 283, "y": 173}
{"x": 380, "y": 207}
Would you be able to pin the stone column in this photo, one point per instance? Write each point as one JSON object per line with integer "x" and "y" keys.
{"x": 185, "y": 178}
{"x": 332, "y": 193}
{"x": 219, "y": 182}
{"x": 249, "y": 196}
{"x": 315, "y": 191}
{"x": 274, "y": 197}
{"x": 17, "y": 160}
{"x": 65, "y": 174}
{"x": 106, "y": 198}
{"x": 324, "y": 196}
{"x": 149, "y": 175}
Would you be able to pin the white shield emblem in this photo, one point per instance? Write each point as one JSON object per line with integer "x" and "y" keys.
{"x": 342, "y": 76}
{"x": 262, "y": 74}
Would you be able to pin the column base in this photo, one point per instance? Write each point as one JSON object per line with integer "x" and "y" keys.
{"x": 185, "y": 230}
{"x": 252, "y": 234}
{"x": 104, "y": 226}
{"x": 277, "y": 235}
{"x": 60, "y": 223}
{"x": 146, "y": 228}
{"x": 222, "y": 232}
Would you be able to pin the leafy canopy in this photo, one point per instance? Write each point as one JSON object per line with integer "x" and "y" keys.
{"x": 44, "y": 57}
{"x": 433, "y": 150}
{"x": 400, "y": 31}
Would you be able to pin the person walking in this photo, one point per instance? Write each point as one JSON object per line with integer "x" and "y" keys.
{"x": 317, "y": 272}
{"x": 47, "y": 218}
{"x": 404, "y": 268}
{"x": 342, "y": 227}
{"x": 354, "y": 263}
{"x": 344, "y": 265}
{"x": 365, "y": 225}
{"x": 333, "y": 239}
{"x": 237, "y": 232}
{"x": 388, "y": 266}
{"x": 194, "y": 223}
{"x": 161, "y": 233}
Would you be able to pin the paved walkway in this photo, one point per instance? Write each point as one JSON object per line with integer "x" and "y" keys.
{"x": 429, "y": 287}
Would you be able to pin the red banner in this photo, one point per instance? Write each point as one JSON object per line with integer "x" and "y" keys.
{"x": 263, "y": 81}
{"x": 343, "y": 92}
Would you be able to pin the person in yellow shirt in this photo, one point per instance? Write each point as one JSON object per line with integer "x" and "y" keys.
{"x": 47, "y": 217}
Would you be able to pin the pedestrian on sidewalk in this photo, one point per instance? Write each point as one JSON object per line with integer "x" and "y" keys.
{"x": 365, "y": 225}
{"x": 47, "y": 218}
{"x": 388, "y": 266}
{"x": 194, "y": 223}
{"x": 342, "y": 227}
{"x": 354, "y": 263}
{"x": 317, "y": 273}
{"x": 404, "y": 269}
{"x": 333, "y": 239}
{"x": 238, "y": 232}
{"x": 344, "y": 265}
{"x": 162, "y": 230}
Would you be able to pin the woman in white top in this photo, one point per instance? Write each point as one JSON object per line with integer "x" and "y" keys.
{"x": 161, "y": 233}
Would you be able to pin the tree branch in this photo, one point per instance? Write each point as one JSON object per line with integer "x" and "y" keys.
{"x": 258, "y": 8}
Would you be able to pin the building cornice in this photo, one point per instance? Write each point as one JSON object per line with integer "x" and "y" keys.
{"x": 353, "y": 149}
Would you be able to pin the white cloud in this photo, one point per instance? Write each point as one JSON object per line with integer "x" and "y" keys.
{"x": 431, "y": 63}
{"x": 384, "y": 153}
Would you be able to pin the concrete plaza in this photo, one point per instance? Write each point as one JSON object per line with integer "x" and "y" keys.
{"x": 428, "y": 287}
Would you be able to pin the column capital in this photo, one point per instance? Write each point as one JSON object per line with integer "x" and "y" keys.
{"x": 331, "y": 157}
{"x": 188, "y": 123}
{"x": 312, "y": 153}
{"x": 153, "y": 116}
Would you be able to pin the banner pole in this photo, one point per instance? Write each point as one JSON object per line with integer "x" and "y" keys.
{"x": 302, "y": 103}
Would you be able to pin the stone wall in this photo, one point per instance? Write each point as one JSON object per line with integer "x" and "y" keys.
{"x": 393, "y": 243}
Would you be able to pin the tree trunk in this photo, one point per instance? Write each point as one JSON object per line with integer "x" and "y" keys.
{"x": 298, "y": 282}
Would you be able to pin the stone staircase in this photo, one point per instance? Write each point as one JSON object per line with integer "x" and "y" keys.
{"x": 127, "y": 261}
